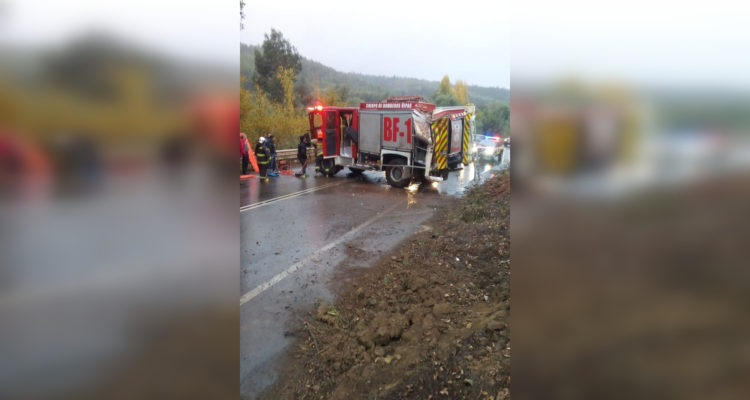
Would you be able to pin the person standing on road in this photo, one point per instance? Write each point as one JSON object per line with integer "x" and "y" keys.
{"x": 271, "y": 144}
{"x": 261, "y": 153}
{"x": 244, "y": 152}
{"x": 302, "y": 155}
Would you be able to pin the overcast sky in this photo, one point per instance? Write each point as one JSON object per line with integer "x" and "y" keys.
{"x": 419, "y": 39}
{"x": 641, "y": 41}
{"x": 644, "y": 42}
{"x": 201, "y": 30}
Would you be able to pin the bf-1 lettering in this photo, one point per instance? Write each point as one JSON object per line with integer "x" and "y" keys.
{"x": 391, "y": 129}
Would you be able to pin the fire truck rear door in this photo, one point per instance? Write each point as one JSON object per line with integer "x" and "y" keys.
{"x": 457, "y": 130}
{"x": 332, "y": 134}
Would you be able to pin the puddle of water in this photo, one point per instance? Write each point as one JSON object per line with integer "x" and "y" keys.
{"x": 472, "y": 174}
{"x": 456, "y": 183}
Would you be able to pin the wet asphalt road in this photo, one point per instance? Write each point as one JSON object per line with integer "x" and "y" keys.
{"x": 85, "y": 279}
{"x": 300, "y": 237}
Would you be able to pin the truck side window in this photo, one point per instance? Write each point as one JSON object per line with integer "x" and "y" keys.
{"x": 317, "y": 120}
{"x": 331, "y": 120}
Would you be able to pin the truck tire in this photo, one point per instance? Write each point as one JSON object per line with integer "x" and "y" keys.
{"x": 355, "y": 172}
{"x": 398, "y": 176}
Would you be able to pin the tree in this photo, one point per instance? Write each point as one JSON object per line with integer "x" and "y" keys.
{"x": 442, "y": 100}
{"x": 274, "y": 53}
{"x": 494, "y": 118}
{"x": 445, "y": 86}
{"x": 244, "y": 100}
{"x": 461, "y": 90}
{"x": 451, "y": 96}
{"x": 286, "y": 79}
{"x": 242, "y": 14}
{"x": 261, "y": 116}
{"x": 335, "y": 96}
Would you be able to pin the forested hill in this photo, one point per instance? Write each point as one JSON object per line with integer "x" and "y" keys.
{"x": 354, "y": 87}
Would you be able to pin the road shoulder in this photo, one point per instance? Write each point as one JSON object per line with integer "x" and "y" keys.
{"x": 430, "y": 318}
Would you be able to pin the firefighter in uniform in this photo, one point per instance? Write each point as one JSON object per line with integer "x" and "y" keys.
{"x": 318, "y": 157}
{"x": 261, "y": 153}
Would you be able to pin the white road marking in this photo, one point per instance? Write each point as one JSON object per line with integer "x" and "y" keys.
{"x": 294, "y": 267}
{"x": 290, "y": 195}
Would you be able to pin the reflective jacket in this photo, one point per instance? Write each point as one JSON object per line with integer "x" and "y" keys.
{"x": 261, "y": 153}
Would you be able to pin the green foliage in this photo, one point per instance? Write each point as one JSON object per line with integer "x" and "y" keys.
{"x": 274, "y": 53}
{"x": 335, "y": 96}
{"x": 315, "y": 78}
{"x": 247, "y": 66}
{"x": 442, "y": 100}
{"x": 260, "y": 115}
{"x": 493, "y": 118}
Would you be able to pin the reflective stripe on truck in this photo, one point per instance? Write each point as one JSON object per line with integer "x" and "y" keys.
{"x": 467, "y": 132}
{"x": 440, "y": 138}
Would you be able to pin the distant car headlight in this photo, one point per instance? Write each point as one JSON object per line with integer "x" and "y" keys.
{"x": 488, "y": 151}
{"x": 474, "y": 148}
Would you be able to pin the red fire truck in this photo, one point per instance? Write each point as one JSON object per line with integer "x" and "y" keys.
{"x": 397, "y": 136}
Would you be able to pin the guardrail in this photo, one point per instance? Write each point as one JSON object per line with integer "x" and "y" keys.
{"x": 291, "y": 154}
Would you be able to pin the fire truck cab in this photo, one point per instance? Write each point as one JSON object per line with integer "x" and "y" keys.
{"x": 393, "y": 136}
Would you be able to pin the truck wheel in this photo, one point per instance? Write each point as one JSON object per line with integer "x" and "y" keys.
{"x": 398, "y": 176}
{"x": 355, "y": 172}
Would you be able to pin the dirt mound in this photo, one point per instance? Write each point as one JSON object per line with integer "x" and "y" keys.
{"x": 429, "y": 320}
